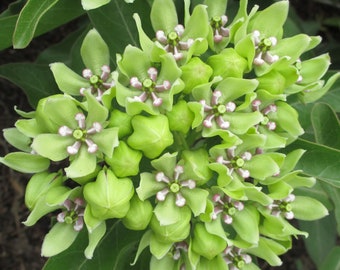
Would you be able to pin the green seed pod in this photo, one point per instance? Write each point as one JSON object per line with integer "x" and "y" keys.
{"x": 124, "y": 161}
{"x": 139, "y": 215}
{"x": 206, "y": 244}
{"x": 194, "y": 73}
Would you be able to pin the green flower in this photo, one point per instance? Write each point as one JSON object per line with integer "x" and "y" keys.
{"x": 95, "y": 77}
{"x": 78, "y": 133}
{"x": 151, "y": 86}
{"x": 175, "y": 188}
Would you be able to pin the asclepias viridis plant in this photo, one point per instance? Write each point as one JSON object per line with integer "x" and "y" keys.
{"x": 184, "y": 142}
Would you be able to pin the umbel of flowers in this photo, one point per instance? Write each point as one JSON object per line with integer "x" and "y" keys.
{"x": 182, "y": 141}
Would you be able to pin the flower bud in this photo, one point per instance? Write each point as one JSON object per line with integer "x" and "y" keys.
{"x": 124, "y": 161}
{"x": 139, "y": 215}
{"x": 121, "y": 120}
{"x": 151, "y": 134}
{"x": 109, "y": 197}
{"x": 228, "y": 64}
{"x": 180, "y": 117}
{"x": 194, "y": 73}
{"x": 206, "y": 244}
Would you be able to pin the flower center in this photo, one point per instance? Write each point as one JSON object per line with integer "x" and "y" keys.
{"x": 216, "y": 22}
{"x": 78, "y": 134}
{"x": 221, "y": 109}
{"x": 175, "y": 187}
{"x": 95, "y": 81}
{"x": 238, "y": 162}
{"x": 148, "y": 85}
{"x": 173, "y": 38}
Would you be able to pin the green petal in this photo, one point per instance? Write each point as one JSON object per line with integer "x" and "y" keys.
{"x": 197, "y": 26}
{"x": 148, "y": 186}
{"x": 67, "y": 80}
{"x": 92, "y": 4}
{"x": 168, "y": 212}
{"x": 240, "y": 122}
{"x": 313, "y": 69}
{"x": 58, "y": 239}
{"x": 61, "y": 110}
{"x": 94, "y": 237}
{"x": 134, "y": 63}
{"x": 196, "y": 164}
{"x": 25, "y": 162}
{"x": 262, "y": 166}
{"x": 106, "y": 140}
{"x": 306, "y": 208}
{"x": 145, "y": 42}
{"x": 164, "y": 262}
{"x": 196, "y": 199}
{"x": 292, "y": 47}
{"x": 166, "y": 163}
{"x": 94, "y": 52}
{"x": 83, "y": 164}
{"x": 40, "y": 209}
{"x": 52, "y": 146}
{"x": 288, "y": 119}
{"x": 270, "y": 20}
{"x": 163, "y": 15}
{"x": 17, "y": 139}
{"x": 159, "y": 249}
{"x": 39, "y": 184}
{"x": 245, "y": 223}
{"x": 233, "y": 88}
{"x": 96, "y": 112}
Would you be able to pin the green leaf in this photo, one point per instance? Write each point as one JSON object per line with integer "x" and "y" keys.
{"x": 115, "y": 20}
{"x": 25, "y": 162}
{"x": 7, "y": 28}
{"x": 319, "y": 161}
{"x": 322, "y": 238}
{"x": 332, "y": 261}
{"x": 326, "y": 125}
{"x": 35, "y": 80}
{"x": 28, "y": 20}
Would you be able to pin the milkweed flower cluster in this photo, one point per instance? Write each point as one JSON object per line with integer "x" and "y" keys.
{"x": 182, "y": 141}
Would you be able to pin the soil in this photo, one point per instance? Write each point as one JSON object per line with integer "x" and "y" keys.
{"x": 20, "y": 245}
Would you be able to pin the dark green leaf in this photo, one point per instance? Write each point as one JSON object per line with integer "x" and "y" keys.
{"x": 326, "y": 125}
{"x": 332, "y": 261}
{"x": 28, "y": 20}
{"x": 115, "y": 24}
{"x": 321, "y": 239}
{"x": 332, "y": 97}
{"x": 46, "y": 17}
{"x": 334, "y": 195}
{"x": 7, "y": 28}
{"x": 35, "y": 80}
{"x": 319, "y": 161}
